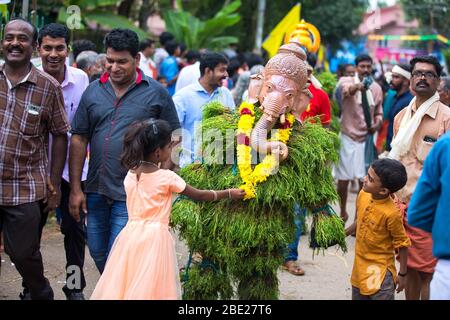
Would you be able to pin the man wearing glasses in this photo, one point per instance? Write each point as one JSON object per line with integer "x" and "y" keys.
{"x": 416, "y": 129}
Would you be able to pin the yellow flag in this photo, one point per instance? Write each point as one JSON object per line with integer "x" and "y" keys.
{"x": 3, "y": 10}
{"x": 287, "y": 25}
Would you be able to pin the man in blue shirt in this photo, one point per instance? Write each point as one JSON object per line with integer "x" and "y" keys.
{"x": 169, "y": 67}
{"x": 190, "y": 100}
{"x": 429, "y": 211}
{"x": 401, "y": 75}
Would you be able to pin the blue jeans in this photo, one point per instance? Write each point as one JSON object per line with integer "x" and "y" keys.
{"x": 105, "y": 219}
{"x": 292, "y": 252}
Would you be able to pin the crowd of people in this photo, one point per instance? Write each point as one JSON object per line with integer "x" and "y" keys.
{"x": 94, "y": 137}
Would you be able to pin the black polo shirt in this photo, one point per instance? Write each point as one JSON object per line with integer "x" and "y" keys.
{"x": 104, "y": 119}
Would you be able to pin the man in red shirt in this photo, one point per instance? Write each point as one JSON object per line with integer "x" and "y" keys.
{"x": 318, "y": 106}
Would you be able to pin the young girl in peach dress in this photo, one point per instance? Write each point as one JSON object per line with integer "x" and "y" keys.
{"x": 142, "y": 263}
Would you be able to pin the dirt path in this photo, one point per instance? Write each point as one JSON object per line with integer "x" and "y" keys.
{"x": 327, "y": 276}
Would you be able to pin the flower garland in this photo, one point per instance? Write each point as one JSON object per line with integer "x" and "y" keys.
{"x": 244, "y": 151}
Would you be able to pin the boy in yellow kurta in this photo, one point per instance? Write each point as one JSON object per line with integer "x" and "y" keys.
{"x": 379, "y": 233}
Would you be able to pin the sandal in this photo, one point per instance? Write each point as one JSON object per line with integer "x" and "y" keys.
{"x": 293, "y": 268}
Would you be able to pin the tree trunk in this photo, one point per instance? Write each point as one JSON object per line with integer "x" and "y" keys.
{"x": 125, "y": 8}
{"x": 148, "y": 8}
{"x": 260, "y": 25}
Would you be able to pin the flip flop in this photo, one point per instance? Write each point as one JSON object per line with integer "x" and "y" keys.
{"x": 293, "y": 268}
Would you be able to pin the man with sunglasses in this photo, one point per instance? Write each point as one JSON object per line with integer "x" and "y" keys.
{"x": 416, "y": 129}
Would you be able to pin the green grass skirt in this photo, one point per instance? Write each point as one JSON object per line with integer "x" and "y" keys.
{"x": 243, "y": 243}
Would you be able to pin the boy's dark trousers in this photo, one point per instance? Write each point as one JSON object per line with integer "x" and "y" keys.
{"x": 386, "y": 292}
{"x": 22, "y": 227}
{"x": 74, "y": 242}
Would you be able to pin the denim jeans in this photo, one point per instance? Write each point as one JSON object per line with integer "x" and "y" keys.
{"x": 292, "y": 252}
{"x": 105, "y": 219}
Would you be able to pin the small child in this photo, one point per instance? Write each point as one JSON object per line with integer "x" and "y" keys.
{"x": 379, "y": 233}
{"x": 142, "y": 263}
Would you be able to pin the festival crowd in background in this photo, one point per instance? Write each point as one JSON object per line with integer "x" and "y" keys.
{"x": 88, "y": 132}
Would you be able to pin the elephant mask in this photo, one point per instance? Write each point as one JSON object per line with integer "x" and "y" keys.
{"x": 281, "y": 88}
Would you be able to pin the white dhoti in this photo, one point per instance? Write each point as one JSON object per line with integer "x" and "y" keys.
{"x": 351, "y": 160}
{"x": 440, "y": 285}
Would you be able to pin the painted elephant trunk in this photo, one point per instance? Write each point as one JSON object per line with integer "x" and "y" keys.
{"x": 258, "y": 139}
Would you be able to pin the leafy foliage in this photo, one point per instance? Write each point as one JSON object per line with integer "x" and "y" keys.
{"x": 433, "y": 15}
{"x": 327, "y": 231}
{"x": 197, "y": 34}
{"x": 102, "y": 12}
{"x": 329, "y": 82}
{"x": 335, "y": 20}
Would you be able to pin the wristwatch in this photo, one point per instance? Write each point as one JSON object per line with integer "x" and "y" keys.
{"x": 402, "y": 274}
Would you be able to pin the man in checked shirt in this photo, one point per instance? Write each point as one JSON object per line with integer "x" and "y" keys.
{"x": 31, "y": 108}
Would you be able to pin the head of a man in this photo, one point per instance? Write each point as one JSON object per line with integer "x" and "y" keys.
{"x": 147, "y": 47}
{"x": 101, "y": 61}
{"x": 213, "y": 68}
{"x": 426, "y": 73}
{"x": 18, "y": 43}
{"x": 444, "y": 90}
{"x": 164, "y": 37}
{"x": 173, "y": 48}
{"x": 81, "y": 45}
{"x": 192, "y": 56}
{"x": 122, "y": 58}
{"x": 87, "y": 61}
{"x": 400, "y": 77}
{"x": 349, "y": 70}
{"x": 363, "y": 64}
{"x": 53, "y": 47}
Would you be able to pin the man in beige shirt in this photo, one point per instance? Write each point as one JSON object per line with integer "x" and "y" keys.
{"x": 416, "y": 129}
{"x": 359, "y": 120}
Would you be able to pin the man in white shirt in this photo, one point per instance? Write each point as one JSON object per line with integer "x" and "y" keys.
{"x": 53, "y": 47}
{"x": 146, "y": 64}
{"x": 190, "y": 100}
{"x": 161, "y": 53}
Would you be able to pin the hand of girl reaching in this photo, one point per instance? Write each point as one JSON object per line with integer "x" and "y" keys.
{"x": 236, "y": 194}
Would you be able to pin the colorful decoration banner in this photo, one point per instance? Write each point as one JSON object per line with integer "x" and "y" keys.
{"x": 426, "y": 37}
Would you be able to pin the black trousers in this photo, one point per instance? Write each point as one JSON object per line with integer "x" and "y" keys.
{"x": 74, "y": 243}
{"x": 22, "y": 228}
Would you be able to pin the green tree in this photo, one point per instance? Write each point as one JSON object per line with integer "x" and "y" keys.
{"x": 336, "y": 20}
{"x": 197, "y": 34}
{"x": 433, "y": 15}
{"x": 102, "y": 12}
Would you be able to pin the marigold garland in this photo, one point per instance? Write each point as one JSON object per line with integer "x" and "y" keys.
{"x": 251, "y": 177}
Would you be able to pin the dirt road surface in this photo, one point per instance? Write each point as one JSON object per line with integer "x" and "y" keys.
{"x": 327, "y": 276}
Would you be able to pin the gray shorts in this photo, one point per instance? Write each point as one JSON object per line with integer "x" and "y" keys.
{"x": 386, "y": 292}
